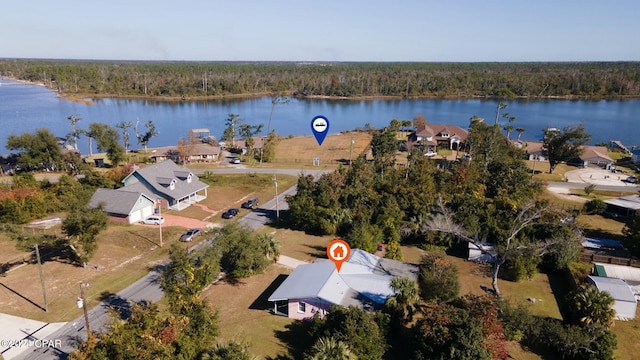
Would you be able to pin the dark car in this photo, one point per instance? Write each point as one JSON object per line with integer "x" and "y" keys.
{"x": 631, "y": 180}
{"x": 190, "y": 234}
{"x": 250, "y": 204}
{"x": 230, "y": 213}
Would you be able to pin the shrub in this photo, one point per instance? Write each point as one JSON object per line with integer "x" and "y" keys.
{"x": 595, "y": 207}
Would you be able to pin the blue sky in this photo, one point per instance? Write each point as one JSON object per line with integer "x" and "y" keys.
{"x": 329, "y": 30}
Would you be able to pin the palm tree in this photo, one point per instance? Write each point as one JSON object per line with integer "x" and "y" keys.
{"x": 520, "y": 130}
{"x": 406, "y": 298}
{"x": 329, "y": 349}
{"x": 75, "y": 133}
{"x": 508, "y": 129}
{"x": 591, "y": 306}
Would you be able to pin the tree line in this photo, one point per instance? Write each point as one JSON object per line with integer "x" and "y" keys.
{"x": 181, "y": 80}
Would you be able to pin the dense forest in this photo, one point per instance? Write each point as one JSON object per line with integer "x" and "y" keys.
{"x": 192, "y": 80}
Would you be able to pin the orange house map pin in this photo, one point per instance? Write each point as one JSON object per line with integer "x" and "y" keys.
{"x": 338, "y": 251}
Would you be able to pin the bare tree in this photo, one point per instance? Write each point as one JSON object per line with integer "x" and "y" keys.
{"x": 275, "y": 100}
{"x": 124, "y": 127}
{"x": 75, "y": 133}
{"x": 511, "y": 245}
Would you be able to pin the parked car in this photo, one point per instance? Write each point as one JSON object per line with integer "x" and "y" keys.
{"x": 631, "y": 180}
{"x": 230, "y": 213}
{"x": 250, "y": 204}
{"x": 430, "y": 153}
{"x": 153, "y": 220}
{"x": 190, "y": 234}
{"x": 235, "y": 160}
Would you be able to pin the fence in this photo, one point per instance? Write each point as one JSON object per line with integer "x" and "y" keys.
{"x": 611, "y": 260}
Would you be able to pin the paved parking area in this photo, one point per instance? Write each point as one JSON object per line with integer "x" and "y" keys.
{"x": 597, "y": 176}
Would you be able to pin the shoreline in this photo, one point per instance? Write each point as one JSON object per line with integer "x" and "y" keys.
{"x": 87, "y": 98}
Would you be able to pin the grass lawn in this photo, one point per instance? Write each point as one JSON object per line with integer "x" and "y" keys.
{"x": 598, "y": 225}
{"x": 542, "y": 170}
{"x": 299, "y": 151}
{"x": 124, "y": 254}
{"x": 299, "y": 245}
{"x": 247, "y": 318}
{"x": 627, "y": 333}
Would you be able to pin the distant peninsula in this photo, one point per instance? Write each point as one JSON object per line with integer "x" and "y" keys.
{"x": 193, "y": 81}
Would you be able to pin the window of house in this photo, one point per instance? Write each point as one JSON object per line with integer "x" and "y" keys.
{"x": 172, "y": 185}
{"x": 302, "y": 307}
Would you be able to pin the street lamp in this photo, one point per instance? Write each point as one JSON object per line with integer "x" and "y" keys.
{"x": 275, "y": 184}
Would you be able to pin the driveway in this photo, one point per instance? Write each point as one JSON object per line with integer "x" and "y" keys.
{"x": 597, "y": 176}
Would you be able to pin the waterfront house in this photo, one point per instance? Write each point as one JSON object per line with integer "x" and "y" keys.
{"x": 189, "y": 154}
{"x": 433, "y": 136}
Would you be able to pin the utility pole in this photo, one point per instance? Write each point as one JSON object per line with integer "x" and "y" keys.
{"x": 160, "y": 222}
{"x": 44, "y": 292}
{"x": 275, "y": 183}
{"x": 351, "y": 151}
{"x": 82, "y": 302}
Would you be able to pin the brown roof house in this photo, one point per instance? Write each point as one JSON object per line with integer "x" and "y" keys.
{"x": 432, "y": 136}
{"x": 193, "y": 153}
{"x": 595, "y": 155}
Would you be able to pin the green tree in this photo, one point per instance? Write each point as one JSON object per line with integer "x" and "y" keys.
{"x": 108, "y": 140}
{"x": 590, "y": 306}
{"x": 39, "y": 150}
{"x": 511, "y": 241}
{"x": 145, "y": 137}
{"x": 631, "y": 232}
{"x": 447, "y": 332}
{"x": 438, "y": 279}
{"x": 248, "y": 132}
{"x": 243, "y": 252}
{"x": 327, "y": 348}
{"x": 232, "y": 124}
{"x": 84, "y": 225}
{"x": 362, "y": 331}
{"x": 232, "y": 350}
{"x": 404, "y": 303}
{"x": 595, "y": 207}
{"x": 519, "y": 130}
{"x": 564, "y": 145}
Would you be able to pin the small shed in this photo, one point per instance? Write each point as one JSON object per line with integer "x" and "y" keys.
{"x": 477, "y": 255}
{"x": 624, "y": 301}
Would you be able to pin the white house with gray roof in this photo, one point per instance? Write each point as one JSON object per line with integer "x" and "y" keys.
{"x": 362, "y": 281}
{"x": 174, "y": 187}
{"x": 122, "y": 206}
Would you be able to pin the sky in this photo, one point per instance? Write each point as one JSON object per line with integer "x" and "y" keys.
{"x": 329, "y": 30}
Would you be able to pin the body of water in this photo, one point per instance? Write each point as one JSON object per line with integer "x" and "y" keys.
{"x": 24, "y": 108}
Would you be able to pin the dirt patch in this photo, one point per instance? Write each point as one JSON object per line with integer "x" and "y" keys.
{"x": 565, "y": 194}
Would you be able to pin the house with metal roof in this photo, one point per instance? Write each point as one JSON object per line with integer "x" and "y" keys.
{"x": 624, "y": 301}
{"x": 625, "y": 206}
{"x": 176, "y": 187}
{"x": 125, "y": 207}
{"x": 363, "y": 281}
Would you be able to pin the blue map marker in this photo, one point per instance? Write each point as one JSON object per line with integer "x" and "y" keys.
{"x": 320, "y": 128}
